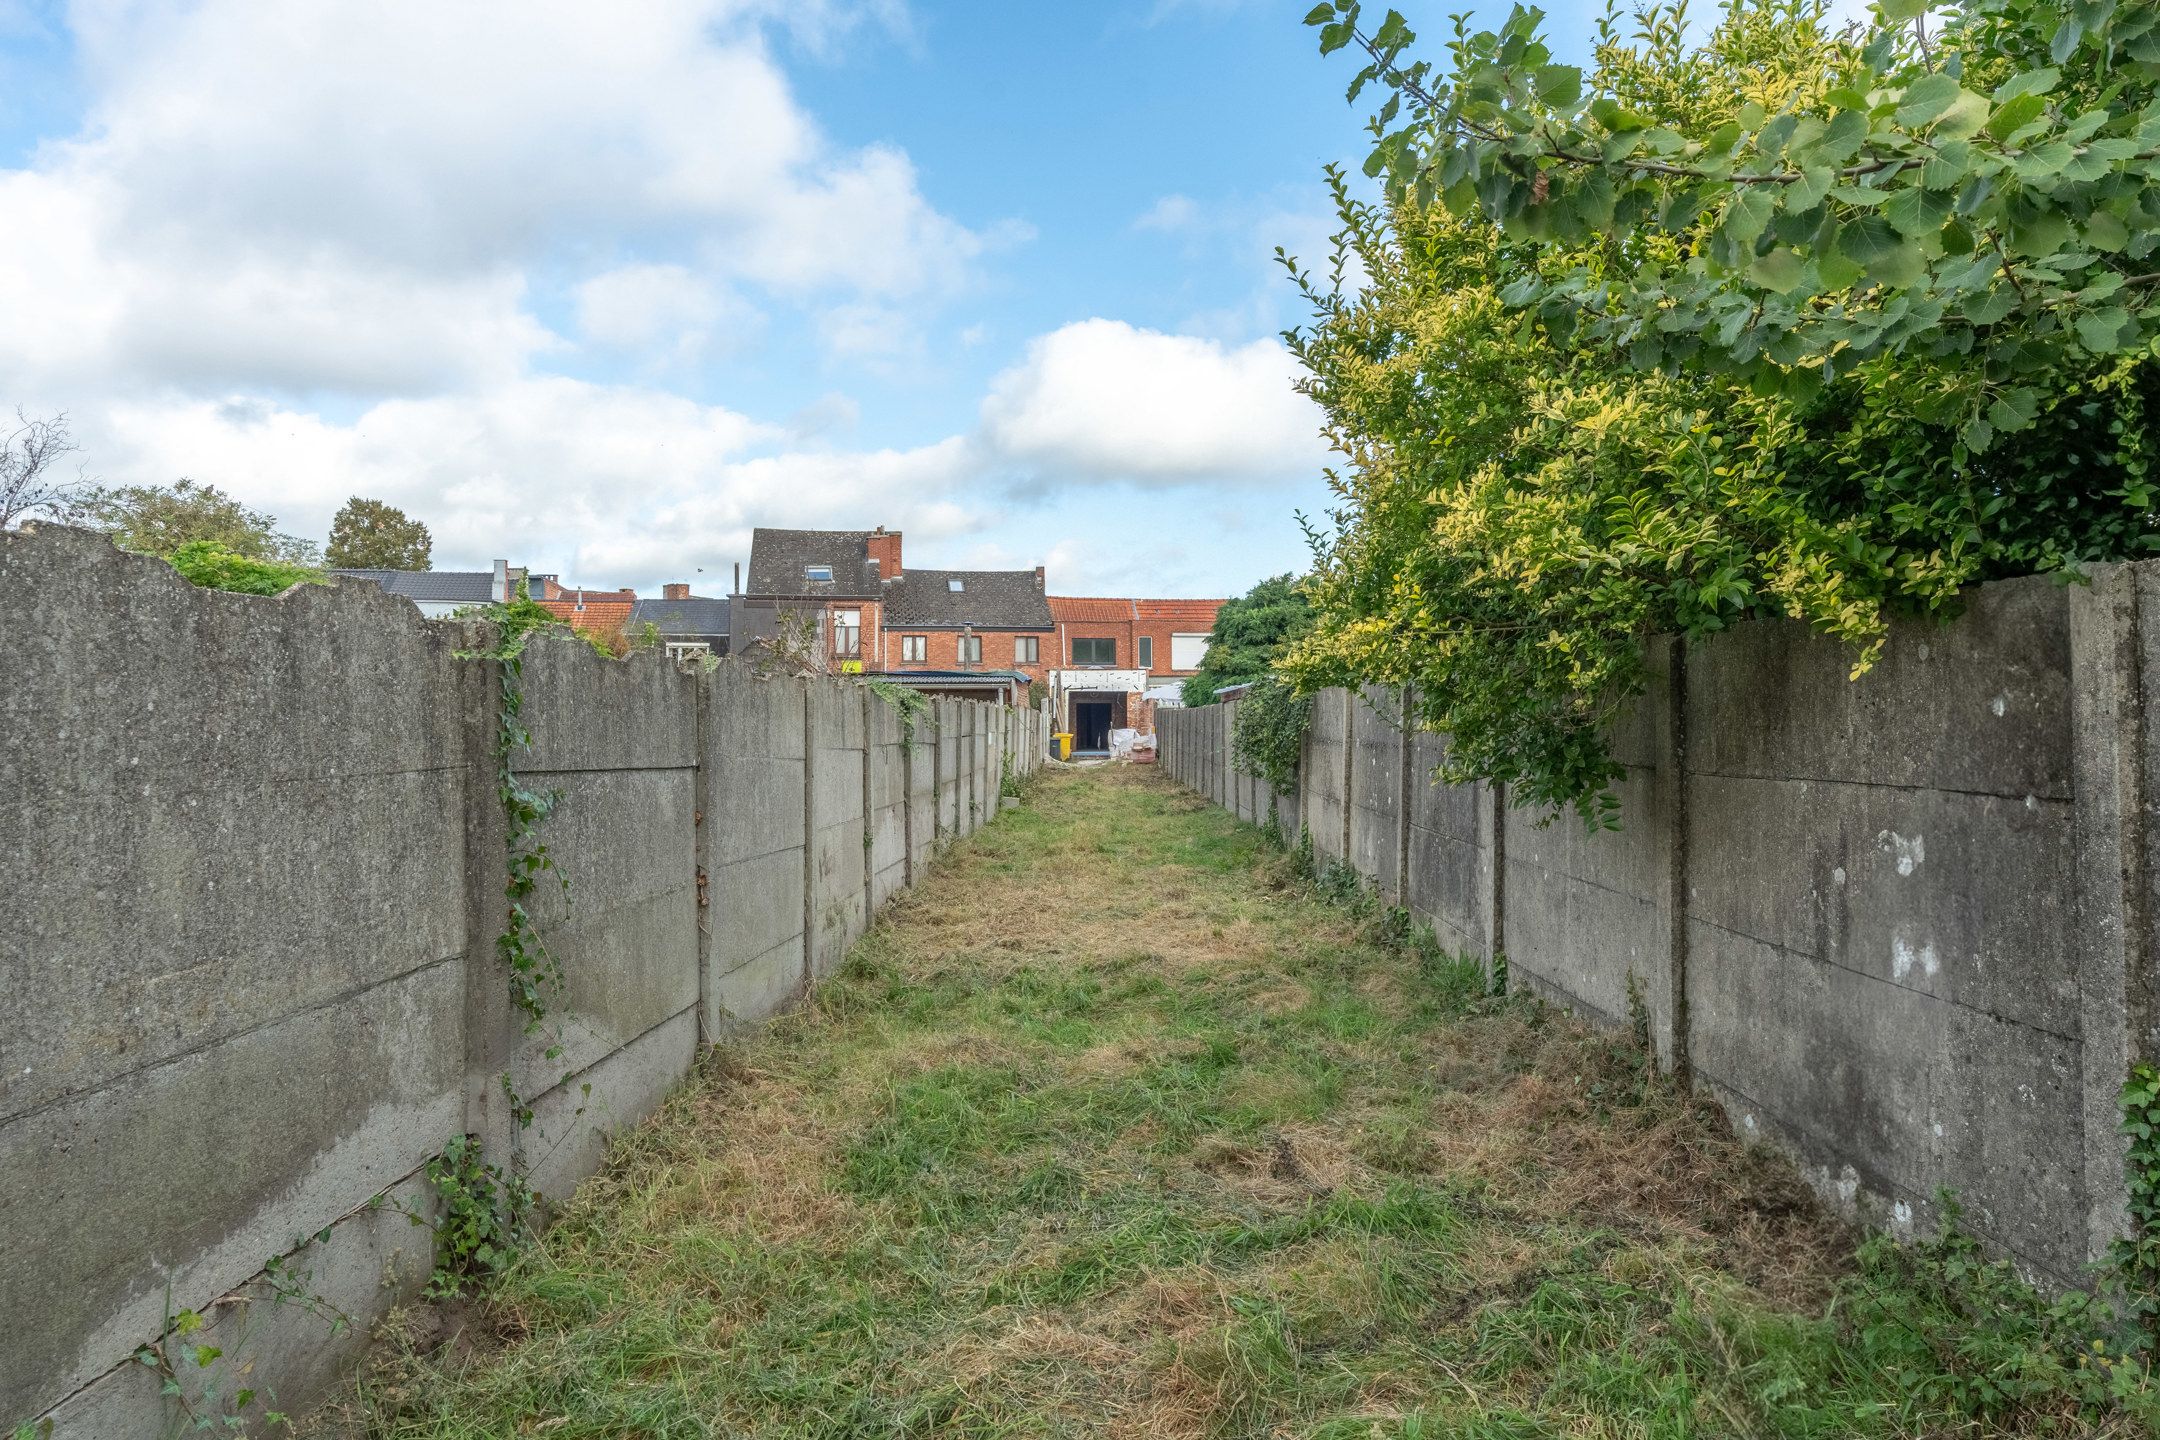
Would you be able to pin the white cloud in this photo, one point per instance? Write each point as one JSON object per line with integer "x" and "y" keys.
{"x": 666, "y": 312}
{"x": 1172, "y": 212}
{"x": 609, "y": 484}
{"x": 351, "y": 195}
{"x": 1101, "y": 401}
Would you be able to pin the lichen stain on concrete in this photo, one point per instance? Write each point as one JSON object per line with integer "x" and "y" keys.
{"x": 1999, "y": 704}
{"x": 1905, "y": 957}
{"x": 1911, "y": 854}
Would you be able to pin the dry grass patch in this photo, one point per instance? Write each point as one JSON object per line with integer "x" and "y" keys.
{"x": 1115, "y": 1126}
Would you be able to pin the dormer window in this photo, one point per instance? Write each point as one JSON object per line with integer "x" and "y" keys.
{"x": 956, "y": 585}
{"x": 817, "y": 574}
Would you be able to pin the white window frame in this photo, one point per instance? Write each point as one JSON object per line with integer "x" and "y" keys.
{"x": 847, "y": 634}
{"x": 1180, "y": 653}
{"x": 817, "y": 574}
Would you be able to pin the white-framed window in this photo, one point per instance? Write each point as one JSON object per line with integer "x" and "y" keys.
{"x": 817, "y": 574}
{"x": 971, "y": 649}
{"x": 1187, "y": 651}
{"x": 847, "y": 634}
{"x": 1027, "y": 649}
{"x": 1144, "y": 648}
{"x": 684, "y": 651}
{"x": 914, "y": 649}
{"x": 956, "y": 585}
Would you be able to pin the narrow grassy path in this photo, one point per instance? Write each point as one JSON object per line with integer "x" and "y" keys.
{"x": 1116, "y": 1127}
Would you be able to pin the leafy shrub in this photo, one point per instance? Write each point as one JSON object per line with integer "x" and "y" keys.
{"x": 1538, "y": 477}
{"x": 1268, "y": 735}
{"x": 214, "y": 567}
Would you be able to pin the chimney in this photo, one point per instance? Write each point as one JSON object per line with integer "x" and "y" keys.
{"x": 1038, "y": 579}
{"x": 738, "y": 577}
{"x": 500, "y": 587}
{"x": 884, "y": 548}
{"x": 675, "y": 592}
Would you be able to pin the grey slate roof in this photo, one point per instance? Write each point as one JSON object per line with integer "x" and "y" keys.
{"x": 777, "y": 559}
{"x": 447, "y": 587}
{"x": 698, "y": 615}
{"x": 987, "y": 600}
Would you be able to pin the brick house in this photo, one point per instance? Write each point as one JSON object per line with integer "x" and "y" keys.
{"x": 982, "y": 634}
{"x": 830, "y": 582}
{"x": 1118, "y": 659}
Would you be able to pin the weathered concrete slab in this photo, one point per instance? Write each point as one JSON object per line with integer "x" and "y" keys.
{"x": 1324, "y": 770}
{"x": 1889, "y": 1091}
{"x": 217, "y": 830}
{"x": 839, "y": 837}
{"x": 574, "y": 1121}
{"x": 1980, "y": 705}
{"x": 193, "y": 1171}
{"x": 1376, "y": 815}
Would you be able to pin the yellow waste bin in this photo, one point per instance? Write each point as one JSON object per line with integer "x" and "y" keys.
{"x": 1064, "y": 743}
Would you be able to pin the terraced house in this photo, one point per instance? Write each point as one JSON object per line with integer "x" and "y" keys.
{"x": 1119, "y": 659}
{"x": 847, "y": 598}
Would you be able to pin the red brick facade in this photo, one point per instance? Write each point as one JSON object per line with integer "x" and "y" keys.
{"x": 1125, "y": 624}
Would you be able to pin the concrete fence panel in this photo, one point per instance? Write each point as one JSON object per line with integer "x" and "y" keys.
{"x": 1899, "y": 926}
{"x": 754, "y": 830}
{"x": 617, "y": 745}
{"x": 235, "y": 940}
{"x": 250, "y": 943}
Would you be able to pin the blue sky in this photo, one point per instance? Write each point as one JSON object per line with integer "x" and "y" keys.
{"x": 600, "y": 289}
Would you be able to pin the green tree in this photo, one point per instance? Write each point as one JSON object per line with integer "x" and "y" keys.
{"x": 1250, "y": 632}
{"x": 370, "y": 535}
{"x": 1528, "y": 493}
{"x": 160, "y": 519}
{"x": 1983, "y": 194}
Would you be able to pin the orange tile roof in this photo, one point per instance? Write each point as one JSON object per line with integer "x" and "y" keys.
{"x": 1089, "y": 607}
{"x": 1202, "y": 610}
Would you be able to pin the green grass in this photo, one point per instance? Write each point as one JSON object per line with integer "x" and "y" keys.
{"x": 1117, "y": 1127}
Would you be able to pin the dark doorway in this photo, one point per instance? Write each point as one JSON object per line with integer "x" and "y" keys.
{"x": 1091, "y": 724}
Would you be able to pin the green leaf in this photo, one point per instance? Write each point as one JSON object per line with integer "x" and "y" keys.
{"x": 2014, "y": 408}
{"x": 1867, "y": 237}
{"x": 2101, "y": 331}
{"x": 2016, "y": 111}
{"x": 1334, "y": 37}
{"x": 1926, "y": 98}
{"x": 1918, "y": 212}
{"x": 1747, "y": 215}
{"x": 1781, "y": 270}
{"x": 1967, "y": 114}
{"x": 1897, "y": 12}
{"x": 1559, "y": 86}
{"x": 1320, "y": 14}
{"x": 2105, "y": 231}
{"x": 2028, "y": 82}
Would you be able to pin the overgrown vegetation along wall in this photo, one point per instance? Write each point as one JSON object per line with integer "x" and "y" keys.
{"x": 1902, "y": 926}
{"x": 249, "y": 941}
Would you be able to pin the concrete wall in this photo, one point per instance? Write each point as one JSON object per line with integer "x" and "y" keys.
{"x": 249, "y": 939}
{"x": 1899, "y": 926}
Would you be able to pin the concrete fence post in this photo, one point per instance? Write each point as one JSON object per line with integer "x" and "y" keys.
{"x": 2111, "y": 760}
{"x": 1349, "y": 767}
{"x": 1668, "y": 1000}
{"x": 809, "y": 829}
{"x": 492, "y": 1028}
{"x": 1404, "y": 767}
